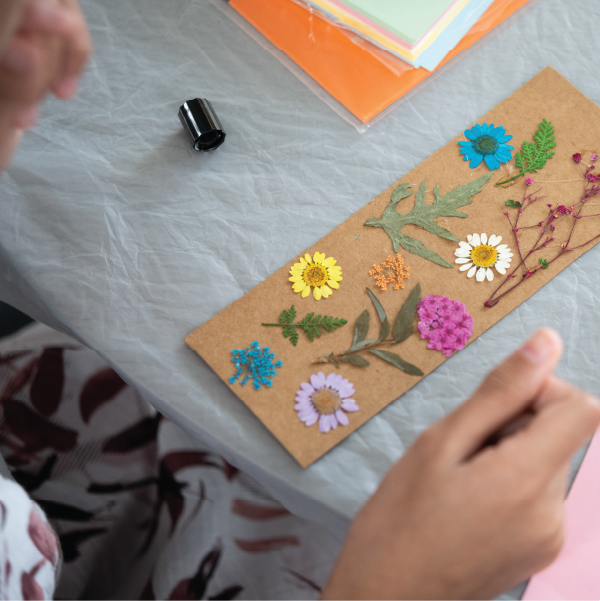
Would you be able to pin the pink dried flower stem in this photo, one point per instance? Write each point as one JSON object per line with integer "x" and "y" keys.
{"x": 547, "y": 227}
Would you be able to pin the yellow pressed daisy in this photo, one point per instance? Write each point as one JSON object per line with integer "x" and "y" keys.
{"x": 319, "y": 273}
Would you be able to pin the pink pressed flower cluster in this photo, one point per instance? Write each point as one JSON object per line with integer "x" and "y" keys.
{"x": 446, "y": 323}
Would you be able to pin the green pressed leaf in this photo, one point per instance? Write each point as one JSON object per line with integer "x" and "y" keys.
{"x": 405, "y": 320}
{"x": 396, "y": 361}
{"x": 354, "y": 360}
{"x": 423, "y": 215}
{"x": 290, "y": 332}
{"x": 385, "y": 324}
{"x": 307, "y": 318}
{"x": 364, "y": 343}
{"x": 515, "y": 204}
{"x": 534, "y": 155}
{"x": 311, "y": 324}
{"x": 335, "y": 361}
{"x": 361, "y": 327}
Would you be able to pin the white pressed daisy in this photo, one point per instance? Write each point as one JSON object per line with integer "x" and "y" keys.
{"x": 479, "y": 254}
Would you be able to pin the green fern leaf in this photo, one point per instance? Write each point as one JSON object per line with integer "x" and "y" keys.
{"x": 534, "y": 155}
{"x": 310, "y": 324}
{"x": 292, "y": 314}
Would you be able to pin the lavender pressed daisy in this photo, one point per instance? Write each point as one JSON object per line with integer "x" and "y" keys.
{"x": 325, "y": 399}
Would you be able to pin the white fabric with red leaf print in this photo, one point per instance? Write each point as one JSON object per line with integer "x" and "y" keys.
{"x": 141, "y": 509}
{"x": 29, "y": 552}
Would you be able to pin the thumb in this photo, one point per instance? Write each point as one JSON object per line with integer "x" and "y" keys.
{"x": 506, "y": 391}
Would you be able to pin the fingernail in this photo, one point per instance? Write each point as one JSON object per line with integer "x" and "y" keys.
{"x": 16, "y": 61}
{"x": 67, "y": 88}
{"x": 539, "y": 346}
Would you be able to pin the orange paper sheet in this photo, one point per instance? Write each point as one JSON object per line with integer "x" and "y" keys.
{"x": 576, "y": 121}
{"x": 350, "y": 73}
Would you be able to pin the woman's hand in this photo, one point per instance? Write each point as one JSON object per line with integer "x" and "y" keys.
{"x": 457, "y": 517}
{"x": 44, "y": 46}
{"x": 47, "y": 49}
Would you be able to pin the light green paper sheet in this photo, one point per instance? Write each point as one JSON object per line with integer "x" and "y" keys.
{"x": 408, "y": 19}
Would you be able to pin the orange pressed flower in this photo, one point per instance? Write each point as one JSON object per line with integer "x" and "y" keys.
{"x": 391, "y": 270}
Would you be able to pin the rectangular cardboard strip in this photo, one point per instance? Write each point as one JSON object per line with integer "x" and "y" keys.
{"x": 576, "y": 121}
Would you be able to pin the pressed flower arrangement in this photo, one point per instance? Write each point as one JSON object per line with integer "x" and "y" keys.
{"x": 395, "y": 336}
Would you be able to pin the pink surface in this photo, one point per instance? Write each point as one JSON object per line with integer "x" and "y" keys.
{"x": 576, "y": 572}
{"x": 340, "y": 4}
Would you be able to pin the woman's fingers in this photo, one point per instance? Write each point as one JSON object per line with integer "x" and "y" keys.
{"x": 75, "y": 55}
{"x": 26, "y": 117}
{"x": 49, "y": 17}
{"x": 508, "y": 390}
{"x": 566, "y": 418}
{"x": 20, "y": 56}
{"x": 49, "y": 50}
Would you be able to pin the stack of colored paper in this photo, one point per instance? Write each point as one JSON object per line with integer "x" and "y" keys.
{"x": 421, "y": 33}
{"x": 362, "y": 76}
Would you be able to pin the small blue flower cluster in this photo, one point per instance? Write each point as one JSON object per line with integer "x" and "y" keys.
{"x": 255, "y": 363}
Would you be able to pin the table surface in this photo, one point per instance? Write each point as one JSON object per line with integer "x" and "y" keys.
{"x": 114, "y": 230}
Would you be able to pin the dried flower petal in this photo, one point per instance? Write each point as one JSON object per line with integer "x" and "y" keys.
{"x": 446, "y": 323}
{"x": 254, "y": 363}
{"x": 317, "y": 273}
{"x": 325, "y": 400}
{"x": 391, "y": 270}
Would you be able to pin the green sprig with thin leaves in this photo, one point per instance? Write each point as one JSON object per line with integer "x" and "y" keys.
{"x": 534, "y": 155}
{"x": 310, "y": 325}
{"x": 404, "y": 326}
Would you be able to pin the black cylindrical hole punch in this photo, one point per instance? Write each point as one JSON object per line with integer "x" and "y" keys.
{"x": 202, "y": 124}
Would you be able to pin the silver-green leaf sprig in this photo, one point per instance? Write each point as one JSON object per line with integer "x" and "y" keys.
{"x": 423, "y": 215}
{"x": 404, "y": 326}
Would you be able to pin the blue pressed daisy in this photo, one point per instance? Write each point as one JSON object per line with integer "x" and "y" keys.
{"x": 486, "y": 143}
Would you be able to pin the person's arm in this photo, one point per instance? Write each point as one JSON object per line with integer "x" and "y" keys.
{"x": 459, "y": 518}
